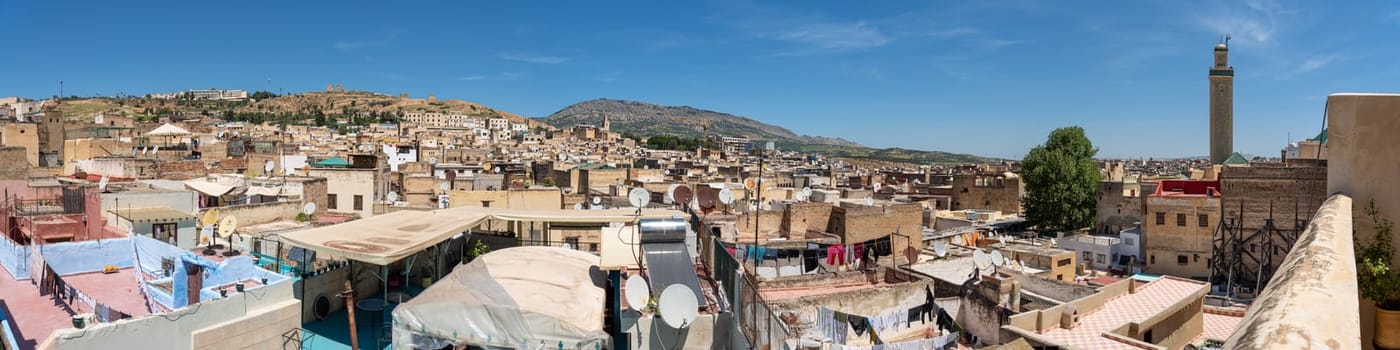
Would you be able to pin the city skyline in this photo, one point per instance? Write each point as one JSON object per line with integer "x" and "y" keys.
{"x": 1133, "y": 77}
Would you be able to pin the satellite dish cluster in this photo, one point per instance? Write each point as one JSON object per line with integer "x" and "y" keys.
{"x": 676, "y": 305}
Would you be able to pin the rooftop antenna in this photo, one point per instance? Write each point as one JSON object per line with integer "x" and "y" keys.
{"x": 227, "y": 229}
{"x": 639, "y": 198}
{"x": 638, "y": 292}
{"x": 678, "y": 306}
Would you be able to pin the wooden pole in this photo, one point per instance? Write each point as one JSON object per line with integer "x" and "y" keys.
{"x": 349, "y": 296}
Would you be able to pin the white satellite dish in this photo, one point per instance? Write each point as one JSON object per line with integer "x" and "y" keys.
{"x": 726, "y": 196}
{"x": 310, "y": 208}
{"x": 267, "y": 167}
{"x": 597, "y": 200}
{"x": 206, "y": 235}
{"x": 432, "y": 160}
{"x": 443, "y": 186}
{"x": 227, "y": 226}
{"x": 102, "y": 185}
{"x": 155, "y": 150}
{"x": 144, "y": 149}
{"x": 997, "y": 258}
{"x": 940, "y": 248}
{"x": 639, "y": 197}
{"x": 392, "y": 197}
{"x": 678, "y": 306}
{"x": 578, "y": 206}
{"x": 637, "y": 292}
{"x": 869, "y": 202}
{"x": 981, "y": 259}
{"x": 671, "y": 194}
{"x": 806, "y": 192}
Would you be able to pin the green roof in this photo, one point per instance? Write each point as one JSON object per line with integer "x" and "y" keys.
{"x": 332, "y": 162}
{"x": 1235, "y": 158}
{"x": 1321, "y": 137}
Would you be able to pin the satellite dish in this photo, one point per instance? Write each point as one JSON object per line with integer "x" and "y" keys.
{"x": 578, "y": 206}
{"x": 211, "y": 217}
{"x": 981, "y": 259}
{"x": 154, "y": 150}
{"x": 750, "y": 184}
{"x": 678, "y": 306}
{"x": 1002, "y": 239}
{"x": 308, "y": 208}
{"x": 940, "y": 248}
{"x": 671, "y": 194}
{"x": 206, "y": 235}
{"x": 639, "y": 197}
{"x": 869, "y": 202}
{"x": 637, "y": 292}
{"x": 227, "y": 226}
{"x": 683, "y": 195}
{"x": 102, "y": 185}
{"x": 997, "y": 259}
{"x": 392, "y": 196}
{"x": 432, "y": 160}
{"x": 267, "y": 167}
{"x": 726, "y": 196}
{"x": 444, "y": 187}
{"x": 806, "y": 192}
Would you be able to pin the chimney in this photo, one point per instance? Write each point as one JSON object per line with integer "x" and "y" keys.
{"x": 194, "y": 275}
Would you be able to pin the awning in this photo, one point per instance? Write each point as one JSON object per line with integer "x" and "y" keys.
{"x": 264, "y": 191}
{"x": 384, "y": 239}
{"x": 506, "y": 298}
{"x": 208, "y": 188}
{"x": 168, "y": 130}
{"x": 152, "y": 214}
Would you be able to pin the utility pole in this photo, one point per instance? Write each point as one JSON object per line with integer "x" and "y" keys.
{"x": 758, "y": 206}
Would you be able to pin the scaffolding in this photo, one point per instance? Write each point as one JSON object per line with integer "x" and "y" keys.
{"x": 1243, "y": 259}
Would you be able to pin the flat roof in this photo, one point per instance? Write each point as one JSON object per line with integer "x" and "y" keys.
{"x": 1150, "y": 300}
{"x": 33, "y": 317}
{"x": 152, "y": 214}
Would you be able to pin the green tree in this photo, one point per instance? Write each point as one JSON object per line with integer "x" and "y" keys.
{"x": 1061, "y": 178}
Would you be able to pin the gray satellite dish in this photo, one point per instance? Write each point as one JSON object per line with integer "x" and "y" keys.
{"x": 940, "y": 248}
{"x": 726, "y": 196}
{"x": 1002, "y": 239}
{"x": 997, "y": 258}
{"x": 310, "y": 208}
{"x": 678, "y": 306}
{"x": 637, "y": 292}
{"x": 155, "y": 150}
{"x": 639, "y": 197}
{"x": 267, "y": 167}
{"x": 981, "y": 259}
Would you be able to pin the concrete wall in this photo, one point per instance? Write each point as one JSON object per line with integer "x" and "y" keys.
{"x": 345, "y": 184}
{"x": 22, "y": 135}
{"x": 261, "y": 213}
{"x": 1362, "y": 165}
{"x": 801, "y": 218}
{"x": 988, "y": 191}
{"x": 255, "y": 319}
{"x": 1120, "y": 205}
{"x": 801, "y": 313}
{"x": 16, "y": 166}
{"x": 855, "y": 225}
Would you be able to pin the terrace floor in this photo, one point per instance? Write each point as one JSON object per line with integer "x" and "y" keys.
{"x": 33, "y": 316}
{"x": 333, "y": 333}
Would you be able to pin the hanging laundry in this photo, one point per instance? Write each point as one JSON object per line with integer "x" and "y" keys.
{"x": 859, "y": 324}
{"x": 882, "y": 247}
{"x": 809, "y": 261}
{"x": 759, "y": 253}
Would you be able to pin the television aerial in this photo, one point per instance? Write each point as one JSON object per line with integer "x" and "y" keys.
{"x": 678, "y": 306}
{"x": 750, "y": 184}
{"x": 683, "y": 195}
{"x": 444, "y": 187}
{"x": 206, "y": 237}
{"x": 806, "y": 192}
{"x": 869, "y": 202}
{"x": 940, "y": 248}
{"x": 597, "y": 200}
{"x": 639, "y": 197}
{"x": 210, "y": 217}
{"x": 432, "y": 160}
{"x": 637, "y": 292}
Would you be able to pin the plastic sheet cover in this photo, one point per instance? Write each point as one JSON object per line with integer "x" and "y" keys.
{"x": 514, "y": 298}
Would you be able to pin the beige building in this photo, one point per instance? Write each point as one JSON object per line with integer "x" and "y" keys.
{"x": 992, "y": 191}
{"x": 351, "y": 190}
{"x": 1121, "y": 204}
{"x": 22, "y": 135}
{"x": 1177, "y": 238}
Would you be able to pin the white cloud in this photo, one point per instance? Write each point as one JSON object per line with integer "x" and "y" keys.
{"x": 536, "y": 59}
{"x": 837, "y": 36}
{"x": 1256, "y": 24}
{"x": 473, "y": 77}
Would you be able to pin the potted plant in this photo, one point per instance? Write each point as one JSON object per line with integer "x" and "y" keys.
{"x": 1379, "y": 281}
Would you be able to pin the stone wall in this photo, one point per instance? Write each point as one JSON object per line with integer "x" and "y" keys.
{"x": 1120, "y": 205}
{"x": 988, "y": 191}
{"x": 770, "y": 225}
{"x": 16, "y": 163}
{"x": 1311, "y": 301}
{"x": 859, "y": 224}
{"x": 801, "y": 218}
{"x": 261, "y": 213}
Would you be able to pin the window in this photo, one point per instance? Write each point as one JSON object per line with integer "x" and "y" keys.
{"x": 1181, "y": 219}
{"x": 1181, "y": 260}
{"x": 1060, "y": 277}
{"x": 1203, "y": 220}
{"x": 1088, "y": 256}
{"x": 331, "y": 201}
{"x": 1064, "y": 262}
{"x": 1154, "y": 260}
{"x": 1101, "y": 258}
{"x": 1161, "y": 218}
{"x": 1196, "y": 257}
{"x": 359, "y": 202}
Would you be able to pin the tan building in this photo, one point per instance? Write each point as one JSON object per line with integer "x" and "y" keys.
{"x": 1178, "y": 236}
{"x": 550, "y": 198}
{"x": 992, "y": 191}
{"x": 22, "y": 135}
{"x": 1057, "y": 264}
{"x": 351, "y": 190}
{"x": 1121, "y": 204}
{"x": 855, "y": 224}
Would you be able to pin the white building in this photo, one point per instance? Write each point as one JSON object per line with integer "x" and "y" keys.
{"x": 498, "y": 123}
{"x": 442, "y": 120}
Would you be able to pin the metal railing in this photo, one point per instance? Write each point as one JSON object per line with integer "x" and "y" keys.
{"x": 757, "y": 321}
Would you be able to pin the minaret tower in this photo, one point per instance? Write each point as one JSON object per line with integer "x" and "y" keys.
{"x": 1222, "y": 105}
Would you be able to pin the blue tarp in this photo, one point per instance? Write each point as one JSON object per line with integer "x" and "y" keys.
{"x": 87, "y": 256}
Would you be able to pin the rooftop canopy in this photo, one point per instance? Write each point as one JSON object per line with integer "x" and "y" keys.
{"x": 509, "y": 298}
{"x": 332, "y": 162}
{"x": 168, "y": 130}
{"x": 384, "y": 239}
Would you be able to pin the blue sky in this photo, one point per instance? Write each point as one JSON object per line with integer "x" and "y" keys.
{"x": 984, "y": 77}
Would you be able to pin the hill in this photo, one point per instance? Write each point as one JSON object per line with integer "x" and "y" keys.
{"x": 304, "y": 108}
{"x": 647, "y": 119}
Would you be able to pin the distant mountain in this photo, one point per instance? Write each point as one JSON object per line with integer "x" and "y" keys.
{"x": 294, "y": 108}
{"x": 647, "y": 119}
